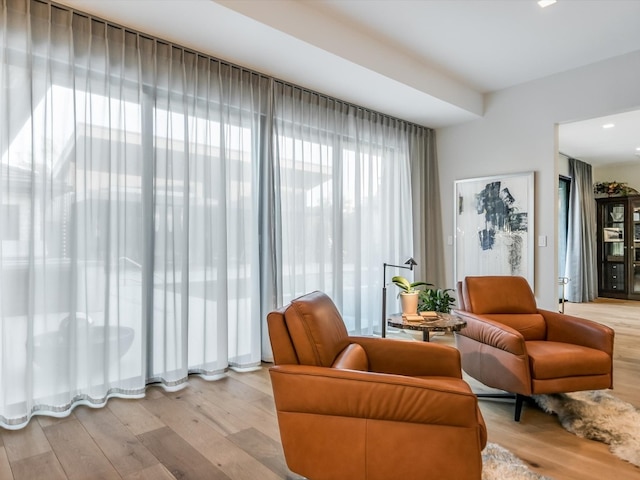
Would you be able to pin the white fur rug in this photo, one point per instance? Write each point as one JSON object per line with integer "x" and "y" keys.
{"x": 600, "y": 416}
{"x": 499, "y": 463}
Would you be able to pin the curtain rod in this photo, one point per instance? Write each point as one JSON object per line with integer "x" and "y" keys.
{"x": 110, "y": 23}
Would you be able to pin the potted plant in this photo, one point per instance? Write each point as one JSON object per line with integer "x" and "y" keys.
{"x": 613, "y": 189}
{"x": 435, "y": 300}
{"x": 409, "y": 294}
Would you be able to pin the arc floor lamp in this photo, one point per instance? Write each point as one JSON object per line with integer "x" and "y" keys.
{"x": 409, "y": 264}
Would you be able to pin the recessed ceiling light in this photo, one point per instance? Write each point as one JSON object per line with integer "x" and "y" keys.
{"x": 608, "y": 125}
{"x": 546, "y": 3}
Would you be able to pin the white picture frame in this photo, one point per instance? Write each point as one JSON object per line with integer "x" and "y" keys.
{"x": 613, "y": 234}
{"x": 493, "y": 222}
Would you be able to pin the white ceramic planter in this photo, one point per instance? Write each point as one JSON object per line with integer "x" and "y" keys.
{"x": 409, "y": 303}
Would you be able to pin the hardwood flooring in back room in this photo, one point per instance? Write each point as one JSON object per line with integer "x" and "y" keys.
{"x": 228, "y": 429}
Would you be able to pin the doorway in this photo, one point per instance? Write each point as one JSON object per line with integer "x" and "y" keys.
{"x": 611, "y": 145}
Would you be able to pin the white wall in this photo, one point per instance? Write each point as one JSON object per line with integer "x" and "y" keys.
{"x": 518, "y": 133}
{"x": 628, "y": 173}
{"x": 563, "y": 165}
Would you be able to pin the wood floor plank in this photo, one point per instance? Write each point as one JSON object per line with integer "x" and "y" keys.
{"x": 220, "y": 419}
{"x": 200, "y": 432}
{"x": 134, "y": 416}
{"x": 180, "y": 458}
{"x": 266, "y": 404}
{"x": 156, "y": 472}
{"x": 26, "y": 442}
{"x": 182, "y": 418}
{"x": 119, "y": 445}
{"x": 5, "y": 467}
{"x": 259, "y": 378}
{"x": 243, "y": 409}
{"x": 46, "y": 420}
{"x": 255, "y": 379}
{"x": 240, "y": 390}
{"x": 262, "y": 447}
{"x": 38, "y": 467}
{"x": 154, "y": 392}
{"x": 78, "y": 454}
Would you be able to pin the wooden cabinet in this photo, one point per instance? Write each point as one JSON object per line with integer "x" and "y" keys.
{"x": 619, "y": 247}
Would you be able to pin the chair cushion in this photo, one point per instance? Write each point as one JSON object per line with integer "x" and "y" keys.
{"x": 531, "y": 325}
{"x": 498, "y": 294}
{"x": 281, "y": 345}
{"x": 549, "y": 360}
{"x": 352, "y": 358}
{"x": 453, "y": 384}
{"x": 316, "y": 328}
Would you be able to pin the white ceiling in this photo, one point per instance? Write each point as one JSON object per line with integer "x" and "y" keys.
{"x": 588, "y": 141}
{"x": 426, "y": 61}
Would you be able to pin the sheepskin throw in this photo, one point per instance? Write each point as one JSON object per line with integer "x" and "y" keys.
{"x": 598, "y": 415}
{"x": 499, "y": 463}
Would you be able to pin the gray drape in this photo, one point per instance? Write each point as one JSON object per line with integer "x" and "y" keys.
{"x": 581, "y": 266}
{"x": 427, "y": 216}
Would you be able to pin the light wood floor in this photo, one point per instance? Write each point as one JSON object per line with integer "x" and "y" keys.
{"x": 228, "y": 429}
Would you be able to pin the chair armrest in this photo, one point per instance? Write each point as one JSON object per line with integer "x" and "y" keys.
{"x": 414, "y": 359}
{"x": 490, "y": 332}
{"x": 351, "y": 393}
{"x": 578, "y": 331}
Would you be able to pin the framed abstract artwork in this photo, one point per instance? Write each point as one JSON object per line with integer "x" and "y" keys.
{"x": 494, "y": 226}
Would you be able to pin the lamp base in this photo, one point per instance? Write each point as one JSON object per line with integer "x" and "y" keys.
{"x": 384, "y": 311}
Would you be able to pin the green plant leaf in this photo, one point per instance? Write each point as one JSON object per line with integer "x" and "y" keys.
{"x": 407, "y": 286}
{"x": 402, "y": 283}
{"x": 435, "y": 299}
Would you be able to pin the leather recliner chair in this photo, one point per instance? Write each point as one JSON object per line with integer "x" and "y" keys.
{"x": 369, "y": 408}
{"x": 512, "y": 345}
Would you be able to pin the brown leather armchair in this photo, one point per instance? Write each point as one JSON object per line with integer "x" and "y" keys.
{"x": 512, "y": 345}
{"x": 369, "y": 408}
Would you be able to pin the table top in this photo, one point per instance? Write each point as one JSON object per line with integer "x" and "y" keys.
{"x": 445, "y": 322}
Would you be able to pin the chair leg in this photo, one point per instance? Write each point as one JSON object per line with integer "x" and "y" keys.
{"x": 519, "y": 400}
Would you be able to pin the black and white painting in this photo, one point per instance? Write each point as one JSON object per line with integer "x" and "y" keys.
{"x": 494, "y": 226}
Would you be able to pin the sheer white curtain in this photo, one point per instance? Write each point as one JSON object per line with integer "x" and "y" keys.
{"x": 202, "y": 237}
{"x": 128, "y": 249}
{"x": 343, "y": 180}
{"x": 156, "y": 204}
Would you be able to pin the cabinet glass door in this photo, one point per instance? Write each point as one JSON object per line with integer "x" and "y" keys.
{"x": 613, "y": 247}
{"x": 613, "y": 233}
{"x": 634, "y": 287}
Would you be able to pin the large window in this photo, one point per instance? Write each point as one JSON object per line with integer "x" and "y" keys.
{"x": 156, "y": 204}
